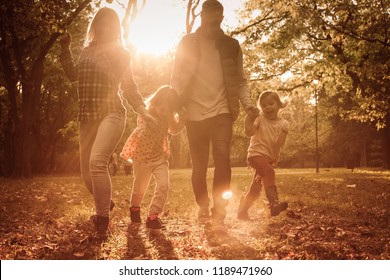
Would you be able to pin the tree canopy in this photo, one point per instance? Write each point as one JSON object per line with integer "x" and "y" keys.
{"x": 343, "y": 44}
{"x": 287, "y": 45}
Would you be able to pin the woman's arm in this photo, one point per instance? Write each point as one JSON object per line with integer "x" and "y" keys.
{"x": 131, "y": 93}
{"x": 66, "y": 58}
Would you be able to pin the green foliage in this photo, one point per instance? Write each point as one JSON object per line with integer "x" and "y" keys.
{"x": 344, "y": 44}
{"x": 287, "y": 44}
{"x": 29, "y": 29}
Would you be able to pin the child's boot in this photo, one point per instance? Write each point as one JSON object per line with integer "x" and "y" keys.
{"x": 154, "y": 222}
{"x": 135, "y": 214}
{"x": 275, "y": 206}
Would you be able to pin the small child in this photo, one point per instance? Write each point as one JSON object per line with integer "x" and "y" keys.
{"x": 268, "y": 134}
{"x": 148, "y": 148}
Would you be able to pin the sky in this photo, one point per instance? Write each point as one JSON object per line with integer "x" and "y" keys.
{"x": 161, "y": 23}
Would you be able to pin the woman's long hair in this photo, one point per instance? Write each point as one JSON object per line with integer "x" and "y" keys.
{"x": 108, "y": 18}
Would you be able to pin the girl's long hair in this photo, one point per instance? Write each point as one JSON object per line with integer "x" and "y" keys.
{"x": 106, "y": 16}
{"x": 163, "y": 94}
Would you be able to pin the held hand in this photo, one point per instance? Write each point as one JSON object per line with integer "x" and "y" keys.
{"x": 65, "y": 40}
{"x": 253, "y": 113}
{"x": 183, "y": 115}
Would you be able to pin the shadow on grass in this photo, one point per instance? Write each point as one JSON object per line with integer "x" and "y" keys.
{"x": 78, "y": 243}
{"x": 148, "y": 244}
{"x": 228, "y": 247}
{"x": 135, "y": 245}
{"x": 162, "y": 244}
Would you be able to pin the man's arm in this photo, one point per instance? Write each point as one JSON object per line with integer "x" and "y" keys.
{"x": 177, "y": 76}
{"x": 243, "y": 90}
{"x": 249, "y": 126}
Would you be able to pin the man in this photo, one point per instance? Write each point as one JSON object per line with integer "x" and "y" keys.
{"x": 208, "y": 75}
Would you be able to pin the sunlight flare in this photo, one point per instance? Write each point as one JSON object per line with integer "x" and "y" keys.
{"x": 227, "y": 195}
{"x": 159, "y": 25}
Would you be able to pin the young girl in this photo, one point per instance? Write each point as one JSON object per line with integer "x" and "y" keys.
{"x": 102, "y": 71}
{"x": 148, "y": 148}
{"x": 268, "y": 134}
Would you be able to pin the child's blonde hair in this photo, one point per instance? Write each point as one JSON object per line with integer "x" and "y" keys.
{"x": 273, "y": 94}
{"x": 104, "y": 16}
{"x": 163, "y": 94}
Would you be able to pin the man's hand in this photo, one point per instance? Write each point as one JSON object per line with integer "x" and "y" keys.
{"x": 253, "y": 112}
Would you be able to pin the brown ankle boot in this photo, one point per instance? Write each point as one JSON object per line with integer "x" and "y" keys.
{"x": 275, "y": 206}
{"x": 101, "y": 225}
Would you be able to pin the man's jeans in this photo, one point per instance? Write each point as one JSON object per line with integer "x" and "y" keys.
{"x": 217, "y": 131}
{"x": 98, "y": 140}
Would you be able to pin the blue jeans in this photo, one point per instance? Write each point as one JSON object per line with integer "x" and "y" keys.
{"x": 216, "y": 131}
{"x": 98, "y": 140}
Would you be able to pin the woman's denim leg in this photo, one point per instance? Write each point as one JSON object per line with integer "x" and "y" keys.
{"x": 107, "y": 137}
{"x": 87, "y": 135}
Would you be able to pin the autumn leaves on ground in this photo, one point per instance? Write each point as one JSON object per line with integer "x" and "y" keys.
{"x": 336, "y": 214}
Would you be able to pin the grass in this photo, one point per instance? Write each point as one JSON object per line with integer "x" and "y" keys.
{"x": 336, "y": 214}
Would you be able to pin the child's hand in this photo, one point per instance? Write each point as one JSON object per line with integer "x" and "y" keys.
{"x": 65, "y": 40}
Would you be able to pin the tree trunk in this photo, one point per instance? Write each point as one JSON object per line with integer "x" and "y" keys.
{"x": 31, "y": 85}
{"x": 8, "y": 149}
{"x": 386, "y": 143}
{"x": 363, "y": 153}
{"x": 16, "y": 73}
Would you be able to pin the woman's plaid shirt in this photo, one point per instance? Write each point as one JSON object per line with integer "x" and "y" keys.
{"x": 105, "y": 80}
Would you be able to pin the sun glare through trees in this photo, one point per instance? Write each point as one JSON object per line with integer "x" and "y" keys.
{"x": 159, "y": 25}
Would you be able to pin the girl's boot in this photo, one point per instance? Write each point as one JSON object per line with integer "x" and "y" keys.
{"x": 275, "y": 206}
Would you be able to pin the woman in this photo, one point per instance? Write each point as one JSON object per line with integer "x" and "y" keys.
{"x": 105, "y": 79}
